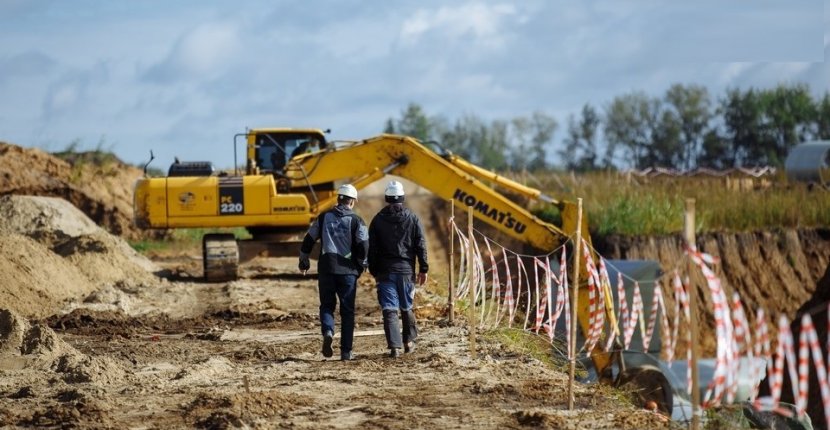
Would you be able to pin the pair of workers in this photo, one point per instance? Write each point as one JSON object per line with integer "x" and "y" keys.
{"x": 390, "y": 248}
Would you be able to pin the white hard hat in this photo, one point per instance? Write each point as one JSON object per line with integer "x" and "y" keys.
{"x": 347, "y": 190}
{"x": 394, "y": 189}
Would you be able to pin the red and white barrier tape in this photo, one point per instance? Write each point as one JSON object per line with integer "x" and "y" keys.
{"x": 652, "y": 320}
{"x": 595, "y": 309}
{"x": 509, "y": 302}
{"x": 731, "y": 325}
{"x": 540, "y": 308}
{"x": 605, "y": 287}
{"x": 622, "y": 305}
{"x": 495, "y": 291}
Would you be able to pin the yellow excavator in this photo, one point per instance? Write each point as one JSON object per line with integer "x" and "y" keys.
{"x": 289, "y": 178}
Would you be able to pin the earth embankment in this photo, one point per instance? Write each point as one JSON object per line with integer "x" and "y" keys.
{"x": 774, "y": 270}
{"x": 100, "y": 186}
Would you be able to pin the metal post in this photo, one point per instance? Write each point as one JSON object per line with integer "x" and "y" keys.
{"x": 471, "y": 314}
{"x": 451, "y": 294}
{"x": 689, "y": 234}
{"x": 574, "y": 304}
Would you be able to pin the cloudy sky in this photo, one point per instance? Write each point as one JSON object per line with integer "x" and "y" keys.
{"x": 182, "y": 77}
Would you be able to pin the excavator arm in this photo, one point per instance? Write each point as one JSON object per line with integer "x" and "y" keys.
{"x": 406, "y": 157}
{"x": 451, "y": 178}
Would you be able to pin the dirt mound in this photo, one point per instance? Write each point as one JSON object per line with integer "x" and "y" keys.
{"x": 224, "y": 411}
{"x": 37, "y": 282}
{"x": 37, "y": 347}
{"x": 51, "y": 253}
{"x": 101, "y": 187}
{"x": 773, "y": 270}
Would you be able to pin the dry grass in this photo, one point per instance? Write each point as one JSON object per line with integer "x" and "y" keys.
{"x": 617, "y": 204}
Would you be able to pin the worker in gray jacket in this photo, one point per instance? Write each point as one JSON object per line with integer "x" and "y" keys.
{"x": 344, "y": 246}
{"x": 396, "y": 242}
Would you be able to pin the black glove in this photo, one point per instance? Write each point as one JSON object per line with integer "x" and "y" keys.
{"x": 304, "y": 263}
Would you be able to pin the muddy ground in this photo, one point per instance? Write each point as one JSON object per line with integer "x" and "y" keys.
{"x": 183, "y": 353}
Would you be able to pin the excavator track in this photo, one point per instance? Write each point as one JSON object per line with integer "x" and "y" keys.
{"x": 220, "y": 257}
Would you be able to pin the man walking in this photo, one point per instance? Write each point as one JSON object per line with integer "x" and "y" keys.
{"x": 396, "y": 240}
{"x": 344, "y": 244}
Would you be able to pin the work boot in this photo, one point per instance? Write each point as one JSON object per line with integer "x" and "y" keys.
{"x": 347, "y": 356}
{"x": 392, "y": 329}
{"x": 410, "y": 330}
{"x": 327, "y": 339}
{"x": 394, "y": 352}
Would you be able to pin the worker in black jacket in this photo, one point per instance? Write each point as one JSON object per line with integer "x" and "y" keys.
{"x": 344, "y": 245}
{"x": 396, "y": 241}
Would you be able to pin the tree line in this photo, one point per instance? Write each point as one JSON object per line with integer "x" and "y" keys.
{"x": 685, "y": 128}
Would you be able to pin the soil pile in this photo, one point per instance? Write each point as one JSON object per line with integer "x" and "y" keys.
{"x": 51, "y": 253}
{"x": 99, "y": 186}
{"x": 35, "y": 347}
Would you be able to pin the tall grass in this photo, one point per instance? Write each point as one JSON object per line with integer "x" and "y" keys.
{"x": 101, "y": 159}
{"x": 617, "y": 204}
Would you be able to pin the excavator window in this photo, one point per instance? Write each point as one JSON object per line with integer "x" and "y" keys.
{"x": 274, "y": 150}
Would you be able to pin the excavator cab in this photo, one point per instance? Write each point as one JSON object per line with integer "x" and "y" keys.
{"x": 270, "y": 151}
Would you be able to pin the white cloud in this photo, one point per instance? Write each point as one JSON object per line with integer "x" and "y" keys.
{"x": 485, "y": 23}
{"x": 204, "y": 51}
{"x": 176, "y": 72}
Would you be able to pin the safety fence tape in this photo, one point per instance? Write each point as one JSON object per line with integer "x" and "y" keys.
{"x": 545, "y": 294}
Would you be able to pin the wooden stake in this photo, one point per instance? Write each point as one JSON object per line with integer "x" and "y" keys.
{"x": 451, "y": 295}
{"x": 574, "y": 304}
{"x": 470, "y": 267}
{"x": 689, "y": 234}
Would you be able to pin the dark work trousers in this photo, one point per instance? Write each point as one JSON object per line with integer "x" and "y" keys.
{"x": 397, "y": 291}
{"x": 332, "y": 288}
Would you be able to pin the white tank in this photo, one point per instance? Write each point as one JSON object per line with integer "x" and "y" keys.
{"x": 809, "y": 162}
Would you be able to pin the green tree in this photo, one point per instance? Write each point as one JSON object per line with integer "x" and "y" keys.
{"x": 690, "y": 111}
{"x": 666, "y": 147}
{"x": 743, "y": 128}
{"x": 471, "y": 138}
{"x": 543, "y": 127}
{"x": 630, "y": 120}
{"x": 823, "y": 117}
{"x": 413, "y": 122}
{"x": 493, "y": 147}
{"x": 520, "y": 155}
{"x": 580, "y": 151}
{"x": 789, "y": 117}
{"x": 389, "y": 127}
{"x": 716, "y": 152}
{"x": 571, "y": 141}
{"x": 529, "y": 140}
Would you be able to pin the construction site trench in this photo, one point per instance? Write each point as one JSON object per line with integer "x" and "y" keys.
{"x": 96, "y": 335}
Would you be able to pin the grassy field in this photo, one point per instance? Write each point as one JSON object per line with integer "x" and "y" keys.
{"x": 617, "y": 204}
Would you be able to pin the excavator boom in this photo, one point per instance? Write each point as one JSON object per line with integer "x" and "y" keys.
{"x": 415, "y": 162}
